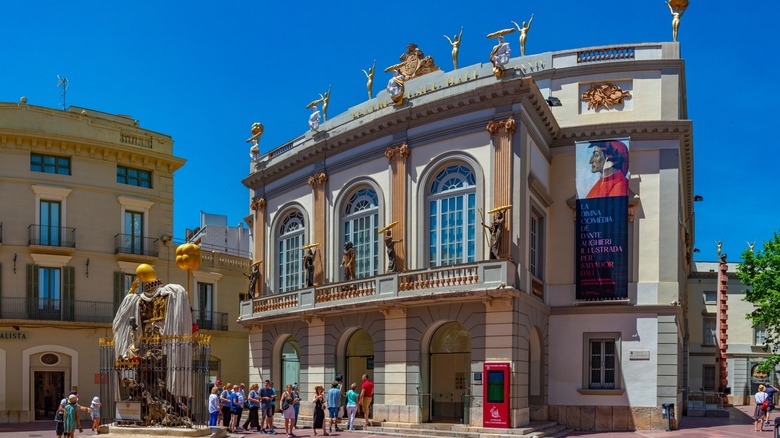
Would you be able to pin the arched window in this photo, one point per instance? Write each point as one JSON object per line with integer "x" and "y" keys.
{"x": 291, "y": 234}
{"x": 452, "y": 221}
{"x": 361, "y": 220}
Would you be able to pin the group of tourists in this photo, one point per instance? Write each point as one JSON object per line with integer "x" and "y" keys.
{"x": 66, "y": 418}
{"x": 227, "y": 403}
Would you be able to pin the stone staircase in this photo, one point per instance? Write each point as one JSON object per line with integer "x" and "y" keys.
{"x": 537, "y": 429}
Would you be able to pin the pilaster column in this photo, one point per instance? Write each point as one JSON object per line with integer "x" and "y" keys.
{"x": 395, "y": 366}
{"x": 398, "y": 200}
{"x": 317, "y": 183}
{"x": 501, "y": 134}
{"x": 258, "y": 230}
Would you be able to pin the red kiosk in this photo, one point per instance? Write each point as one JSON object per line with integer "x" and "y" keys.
{"x": 495, "y": 394}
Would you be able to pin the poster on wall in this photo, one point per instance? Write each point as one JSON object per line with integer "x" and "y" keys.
{"x": 602, "y": 224}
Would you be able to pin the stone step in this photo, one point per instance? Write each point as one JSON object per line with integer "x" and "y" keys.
{"x": 537, "y": 429}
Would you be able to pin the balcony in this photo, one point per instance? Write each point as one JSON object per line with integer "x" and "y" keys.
{"x": 43, "y": 309}
{"x": 51, "y": 237}
{"x": 210, "y": 320}
{"x": 426, "y": 285}
{"x": 135, "y": 246}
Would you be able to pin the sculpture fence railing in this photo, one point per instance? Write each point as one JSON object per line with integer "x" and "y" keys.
{"x": 606, "y": 54}
{"x": 455, "y": 276}
{"x": 146, "y": 388}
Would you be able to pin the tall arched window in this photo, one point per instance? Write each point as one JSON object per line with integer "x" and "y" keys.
{"x": 361, "y": 220}
{"x": 291, "y": 234}
{"x": 452, "y": 222}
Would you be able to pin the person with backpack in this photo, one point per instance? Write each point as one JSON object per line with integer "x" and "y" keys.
{"x": 59, "y": 419}
{"x": 762, "y": 405}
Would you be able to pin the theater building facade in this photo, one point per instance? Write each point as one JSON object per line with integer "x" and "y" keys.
{"x": 579, "y": 165}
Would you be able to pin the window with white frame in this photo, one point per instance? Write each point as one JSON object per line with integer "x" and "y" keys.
{"x": 535, "y": 243}
{"x": 361, "y": 222}
{"x": 710, "y": 296}
{"x": 603, "y": 361}
{"x": 708, "y": 330}
{"x": 759, "y": 335}
{"x": 133, "y": 242}
{"x": 452, "y": 216}
{"x": 291, "y": 235}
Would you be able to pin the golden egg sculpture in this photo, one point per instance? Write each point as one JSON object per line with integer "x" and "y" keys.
{"x": 188, "y": 257}
{"x": 145, "y": 273}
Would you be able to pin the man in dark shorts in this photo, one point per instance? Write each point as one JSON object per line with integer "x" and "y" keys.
{"x": 266, "y": 409}
{"x": 770, "y": 397}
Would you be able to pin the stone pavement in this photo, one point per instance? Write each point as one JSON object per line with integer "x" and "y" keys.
{"x": 738, "y": 424}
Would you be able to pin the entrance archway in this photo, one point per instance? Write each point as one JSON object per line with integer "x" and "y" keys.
{"x": 359, "y": 358}
{"x": 291, "y": 362}
{"x": 449, "y": 373}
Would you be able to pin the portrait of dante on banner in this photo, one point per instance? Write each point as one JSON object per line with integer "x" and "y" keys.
{"x": 602, "y": 224}
{"x": 602, "y": 169}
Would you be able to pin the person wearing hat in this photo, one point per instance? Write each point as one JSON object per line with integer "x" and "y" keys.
{"x": 65, "y": 401}
{"x": 95, "y": 412}
{"x": 610, "y": 158}
{"x": 70, "y": 422}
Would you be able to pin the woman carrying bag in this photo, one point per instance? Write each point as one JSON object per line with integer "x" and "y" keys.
{"x": 288, "y": 412}
{"x": 761, "y": 407}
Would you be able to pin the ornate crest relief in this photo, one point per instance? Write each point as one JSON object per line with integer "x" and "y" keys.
{"x": 604, "y": 96}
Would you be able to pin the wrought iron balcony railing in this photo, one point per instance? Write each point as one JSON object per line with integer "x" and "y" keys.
{"x": 135, "y": 245}
{"x": 49, "y": 235}
{"x": 431, "y": 283}
{"x": 210, "y": 320}
{"x": 47, "y": 309}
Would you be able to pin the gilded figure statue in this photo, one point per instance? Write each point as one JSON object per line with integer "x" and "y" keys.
{"x": 501, "y": 52}
{"x": 677, "y": 8}
{"x": 308, "y": 266}
{"x": 325, "y": 100}
{"x": 495, "y": 229}
{"x": 370, "y": 80}
{"x": 523, "y": 33}
{"x": 348, "y": 261}
{"x": 455, "y": 43}
{"x": 392, "y": 265}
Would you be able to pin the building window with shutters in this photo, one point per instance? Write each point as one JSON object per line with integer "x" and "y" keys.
{"x": 708, "y": 330}
{"x": 122, "y": 284}
{"x": 759, "y": 335}
{"x": 50, "y": 293}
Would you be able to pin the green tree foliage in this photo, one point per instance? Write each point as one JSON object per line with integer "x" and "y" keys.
{"x": 761, "y": 272}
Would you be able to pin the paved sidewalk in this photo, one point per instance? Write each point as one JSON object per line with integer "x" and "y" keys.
{"x": 738, "y": 424}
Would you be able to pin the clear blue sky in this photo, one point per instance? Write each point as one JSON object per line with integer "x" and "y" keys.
{"x": 202, "y": 72}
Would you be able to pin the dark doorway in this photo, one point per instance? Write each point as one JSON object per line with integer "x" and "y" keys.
{"x": 48, "y": 391}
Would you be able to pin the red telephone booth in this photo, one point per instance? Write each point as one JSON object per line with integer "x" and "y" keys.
{"x": 495, "y": 395}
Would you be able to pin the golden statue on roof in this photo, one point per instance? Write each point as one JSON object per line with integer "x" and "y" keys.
{"x": 677, "y": 8}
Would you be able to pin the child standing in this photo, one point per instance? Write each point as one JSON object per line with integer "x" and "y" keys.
{"x": 95, "y": 412}
{"x": 59, "y": 419}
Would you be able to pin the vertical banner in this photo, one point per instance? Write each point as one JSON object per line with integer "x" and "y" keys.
{"x": 602, "y": 219}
